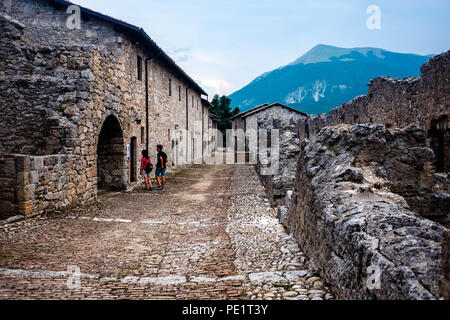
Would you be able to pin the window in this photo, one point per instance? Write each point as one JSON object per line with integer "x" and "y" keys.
{"x": 142, "y": 135}
{"x": 139, "y": 68}
{"x": 179, "y": 93}
{"x": 192, "y": 101}
{"x": 168, "y": 134}
{"x": 170, "y": 87}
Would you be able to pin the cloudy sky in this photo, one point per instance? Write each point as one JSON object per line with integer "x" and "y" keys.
{"x": 225, "y": 44}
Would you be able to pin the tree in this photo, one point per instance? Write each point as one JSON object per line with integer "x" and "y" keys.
{"x": 221, "y": 108}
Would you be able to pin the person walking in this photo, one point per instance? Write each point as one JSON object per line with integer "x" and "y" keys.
{"x": 161, "y": 167}
{"x": 146, "y": 169}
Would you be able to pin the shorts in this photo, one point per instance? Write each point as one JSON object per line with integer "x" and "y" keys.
{"x": 160, "y": 172}
{"x": 145, "y": 174}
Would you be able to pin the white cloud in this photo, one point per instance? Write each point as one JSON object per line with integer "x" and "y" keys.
{"x": 220, "y": 86}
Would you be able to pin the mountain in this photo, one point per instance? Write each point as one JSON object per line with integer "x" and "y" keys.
{"x": 325, "y": 77}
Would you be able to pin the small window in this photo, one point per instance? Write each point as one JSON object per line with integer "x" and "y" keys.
{"x": 170, "y": 87}
{"x": 179, "y": 93}
{"x": 142, "y": 135}
{"x": 139, "y": 68}
{"x": 168, "y": 134}
{"x": 193, "y": 102}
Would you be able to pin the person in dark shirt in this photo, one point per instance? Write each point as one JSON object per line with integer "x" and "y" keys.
{"x": 161, "y": 168}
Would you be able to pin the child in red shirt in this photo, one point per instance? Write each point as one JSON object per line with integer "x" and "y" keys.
{"x": 146, "y": 169}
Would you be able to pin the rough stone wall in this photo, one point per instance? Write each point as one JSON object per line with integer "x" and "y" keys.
{"x": 8, "y": 187}
{"x": 445, "y": 261}
{"x": 348, "y": 221}
{"x": 289, "y": 147}
{"x": 58, "y": 86}
{"x": 27, "y": 71}
{"x": 39, "y": 184}
{"x": 245, "y": 135}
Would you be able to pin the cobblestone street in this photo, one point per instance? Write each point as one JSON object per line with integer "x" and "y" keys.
{"x": 211, "y": 234}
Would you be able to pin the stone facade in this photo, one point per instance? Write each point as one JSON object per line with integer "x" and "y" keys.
{"x": 80, "y": 93}
{"x": 351, "y": 222}
{"x": 211, "y": 127}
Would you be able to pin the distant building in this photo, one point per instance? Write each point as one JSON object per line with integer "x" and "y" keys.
{"x": 245, "y": 128}
{"x": 212, "y": 122}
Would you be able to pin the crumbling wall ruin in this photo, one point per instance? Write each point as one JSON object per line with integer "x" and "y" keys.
{"x": 374, "y": 195}
{"x": 289, "y": 147}
{"x": 349, "y": 221}
{"x": 445, "y": 263}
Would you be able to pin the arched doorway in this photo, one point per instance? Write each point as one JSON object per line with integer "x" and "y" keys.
{"x": 111, "y": 156}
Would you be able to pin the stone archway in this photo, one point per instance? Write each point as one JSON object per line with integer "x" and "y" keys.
{"x": 111, "y": 156}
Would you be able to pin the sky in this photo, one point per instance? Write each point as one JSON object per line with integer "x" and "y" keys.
{"x": 225, "y": 44}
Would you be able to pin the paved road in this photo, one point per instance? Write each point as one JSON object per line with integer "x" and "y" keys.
{"x": 210, "y": 234}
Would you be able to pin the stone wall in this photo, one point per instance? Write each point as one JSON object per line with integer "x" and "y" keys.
{"x": 26, "y": 125}
{"x": 39, "y": 184}
{"x": 445, "y": 261}
{"x": 8, "y": 184}
{"x": 371, "y": 196}
{"x": 274, "y": 117}
{"x": 289, "y": 147}
{"x": 348, "y": 220}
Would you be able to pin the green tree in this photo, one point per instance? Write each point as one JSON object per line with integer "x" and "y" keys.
{"x": 221, "y": 108}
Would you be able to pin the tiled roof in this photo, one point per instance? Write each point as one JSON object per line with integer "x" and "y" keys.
{"x": 265, "y": 106}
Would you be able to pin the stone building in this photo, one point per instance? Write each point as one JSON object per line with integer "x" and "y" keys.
{"x": 79, "y": 104}
{"x": 211, "y": 126}
{"x": 246, "y": 123}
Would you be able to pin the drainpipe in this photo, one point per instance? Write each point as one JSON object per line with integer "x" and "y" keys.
{"x": 187, "y": 124}
{"x": 147, "y": 60}
{"x": 203, "y": 129}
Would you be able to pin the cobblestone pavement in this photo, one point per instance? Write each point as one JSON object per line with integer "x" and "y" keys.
{"x": 211, "y": 234}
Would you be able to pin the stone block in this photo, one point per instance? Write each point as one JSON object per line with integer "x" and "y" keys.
{"x": 37, "y": 163}
{"x": 34, "y": 177}
{"x": 23, "y": 193}
{"x": 22, "y": 163}
{"x": 9, "y": 196}
{"x": 25, "y": 208}
{"x": 10, "y": 166}
{"x": 49, "y": 161}
{"x": 7, "y": 207}
{"x": 23, "y": 178}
